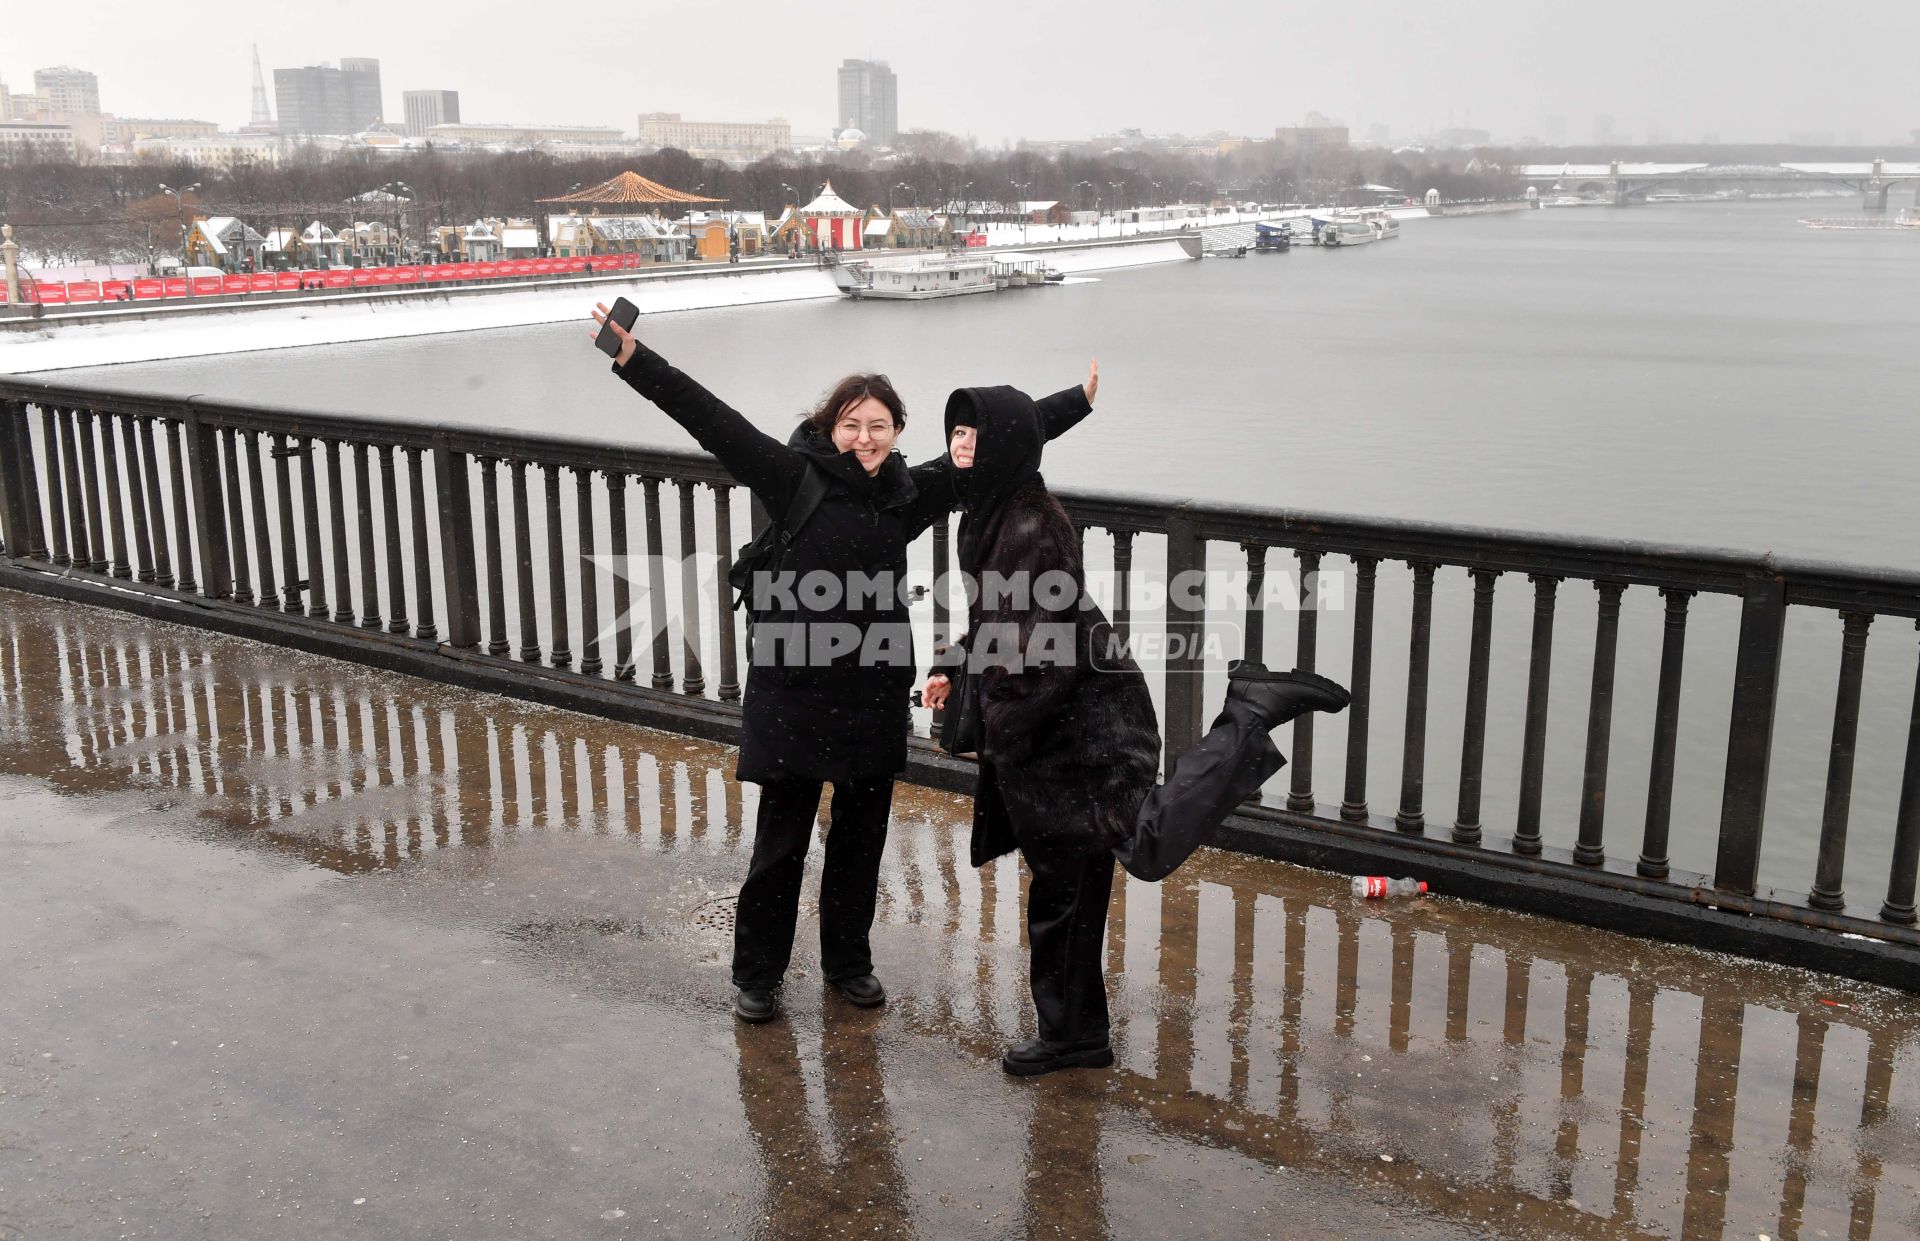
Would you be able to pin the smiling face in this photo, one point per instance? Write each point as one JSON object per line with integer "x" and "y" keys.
{"x": 866, "y": 429}
{"x": 961, "y": 446}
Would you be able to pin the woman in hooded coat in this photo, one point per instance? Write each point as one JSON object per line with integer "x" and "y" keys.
{"x": 810, "y": 721}
{"x": 1065, "y": 728}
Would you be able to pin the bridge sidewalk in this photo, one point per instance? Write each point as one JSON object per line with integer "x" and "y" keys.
{"x": 296, "y": 948}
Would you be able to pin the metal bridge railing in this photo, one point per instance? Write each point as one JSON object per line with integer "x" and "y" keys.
{"x": 479, "y": 556}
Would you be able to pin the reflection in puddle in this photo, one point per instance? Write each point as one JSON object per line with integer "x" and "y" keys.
{"x": 1496, "y": 1073}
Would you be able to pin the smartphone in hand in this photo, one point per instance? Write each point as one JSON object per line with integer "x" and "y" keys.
{"x": 623, "y": 313}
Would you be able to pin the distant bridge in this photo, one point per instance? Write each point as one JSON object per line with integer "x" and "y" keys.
{"x": 1628, "y": 182}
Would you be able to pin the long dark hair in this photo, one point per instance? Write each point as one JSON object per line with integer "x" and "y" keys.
{"x": 851, "y": 391}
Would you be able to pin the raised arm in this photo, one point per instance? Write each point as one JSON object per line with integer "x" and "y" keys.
{"x": 937, "y": 492}
{"x": 760, "y": 462}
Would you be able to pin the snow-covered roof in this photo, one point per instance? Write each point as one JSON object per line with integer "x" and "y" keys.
{"x": 879, "y": 226}
{"x": 829, "y": 203}
{"x": 519, "y": 238}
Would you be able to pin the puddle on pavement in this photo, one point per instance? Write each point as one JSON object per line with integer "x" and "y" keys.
{"x": 1490, "y": 1072}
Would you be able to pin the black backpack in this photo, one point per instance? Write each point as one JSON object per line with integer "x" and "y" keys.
{"x": 767, "y": 553}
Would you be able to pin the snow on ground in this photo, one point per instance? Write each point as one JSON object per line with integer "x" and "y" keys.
{"x": 333, "y": 321}
{"x": 107, "y": 341}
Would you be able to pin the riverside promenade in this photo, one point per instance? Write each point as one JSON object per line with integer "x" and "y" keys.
{"x": 294, "y": 947}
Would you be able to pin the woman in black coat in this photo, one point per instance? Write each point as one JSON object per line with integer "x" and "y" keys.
{"x": 1066, "y": 732}
{"x": 829, "y": 675}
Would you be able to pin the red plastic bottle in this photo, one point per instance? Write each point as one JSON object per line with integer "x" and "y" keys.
{"x": 1377, "y": 887}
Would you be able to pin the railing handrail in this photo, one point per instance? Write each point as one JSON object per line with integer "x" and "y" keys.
{"x": 1829, "y": 584}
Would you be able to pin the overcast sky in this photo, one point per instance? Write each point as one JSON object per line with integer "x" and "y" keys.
{"x": 1739, "y": 69}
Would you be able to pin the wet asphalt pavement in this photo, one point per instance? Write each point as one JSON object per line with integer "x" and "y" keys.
{"x": 289, "y": 948}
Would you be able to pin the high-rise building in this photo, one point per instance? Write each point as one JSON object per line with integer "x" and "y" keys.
{"x": 427, "y": 108}
{"x": 68, "y": 90}
{"x": 320, "y": 99}
{"x": 6, "y": 104}
{"x": 869, "y": 101}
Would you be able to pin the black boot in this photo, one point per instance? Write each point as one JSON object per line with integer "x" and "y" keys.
{"x": 1037, "y": 1056}
{"x": 755, "y": 1005}
{"x": 1276, "y": 697}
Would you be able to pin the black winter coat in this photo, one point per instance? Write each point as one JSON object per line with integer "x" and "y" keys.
{"x": 848, "y": 720}
{"x": 1069, "y": 746}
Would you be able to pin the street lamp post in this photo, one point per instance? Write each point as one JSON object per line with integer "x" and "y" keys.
{"x": 399, "y": 216}
{"x": 180, "y": 211}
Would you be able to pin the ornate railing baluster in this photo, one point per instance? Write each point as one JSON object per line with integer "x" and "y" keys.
{"x": 1473, "y": 733}
{"x": 237, "y": 518}
{"x": 310, "y": 506}
{"x": 1756, "y": 688}
{"x": 295, "y": 581}
{"x": 1533, "y": 745}
{"x": 28, "y": 508}
{"x": 623, "y": 621}
{"x": 182, "y": 509}
{"x": 1590, "y": 848}
{"x": 561, "y": 655}
{"x": 459, "y": 574}
{"x": 90, "y": 467}
{"x": 57, "y": 519}
{"x": 76, "y": 501}
{"x": 262, "y": 531}
{"x": 1828, "y": 891}
{"x": 657, "y": 586}
{"x": 156, "y": 506}
{"x": 496, "y": 566}
{"x": 110, "y": 461}
{"x": 424, "y": 626}
{"x": 1902, "y": 874}
{"x": 1186, "y": 626}
{"x": 589, "y": 577}
{"x": 58, "y": 452}
{"x": 137, "y": 502}
{"x": 397, "y": 621}
{"x": 1123, "y": 584}
{"x": 342, "y": 574}
{"x": 363, "y": 525}
{"x": 1666, "y": 734}
{"x": 729, "y": 687}
{"x": 1306, "y": 658}
{"x": 1253, "y": 643}
{"x": 692, "y": 679}
{"x": 1353, "y": 805}
{"x": 1413, "y": 762}
{"x": 528, "y": 614}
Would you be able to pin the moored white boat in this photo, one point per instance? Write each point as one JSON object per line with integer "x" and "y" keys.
{"x": 1345, "y": 231}
{"x": 919, "y": 281}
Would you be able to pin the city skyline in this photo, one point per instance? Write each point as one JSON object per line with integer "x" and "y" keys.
{"x": 1713, "y": 72}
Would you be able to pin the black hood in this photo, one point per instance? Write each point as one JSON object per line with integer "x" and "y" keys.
{"x": 892, "y": 486}
{"x": 1006, "y": 455}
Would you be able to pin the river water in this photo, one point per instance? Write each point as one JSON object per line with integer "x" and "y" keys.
{"x": 1692, "y": 373}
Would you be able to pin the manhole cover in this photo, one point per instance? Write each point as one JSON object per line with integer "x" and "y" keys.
{"x": 717, "y": 915}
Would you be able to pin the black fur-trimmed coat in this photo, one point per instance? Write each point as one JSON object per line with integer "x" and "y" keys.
{"x": 1068, "y": 751}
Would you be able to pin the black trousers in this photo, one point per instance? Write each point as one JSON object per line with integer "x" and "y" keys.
{"x": 1067, "y": 897}
{"x": 1072, "y": 884}
{"x": 770, "y": 898}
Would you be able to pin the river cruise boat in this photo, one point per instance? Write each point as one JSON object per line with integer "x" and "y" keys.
{"x": 920, "y": 281}
{"x": 1383, "y": 225}
{"x": 1344, "y": 231}
{"x": 1865, "y": 224}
